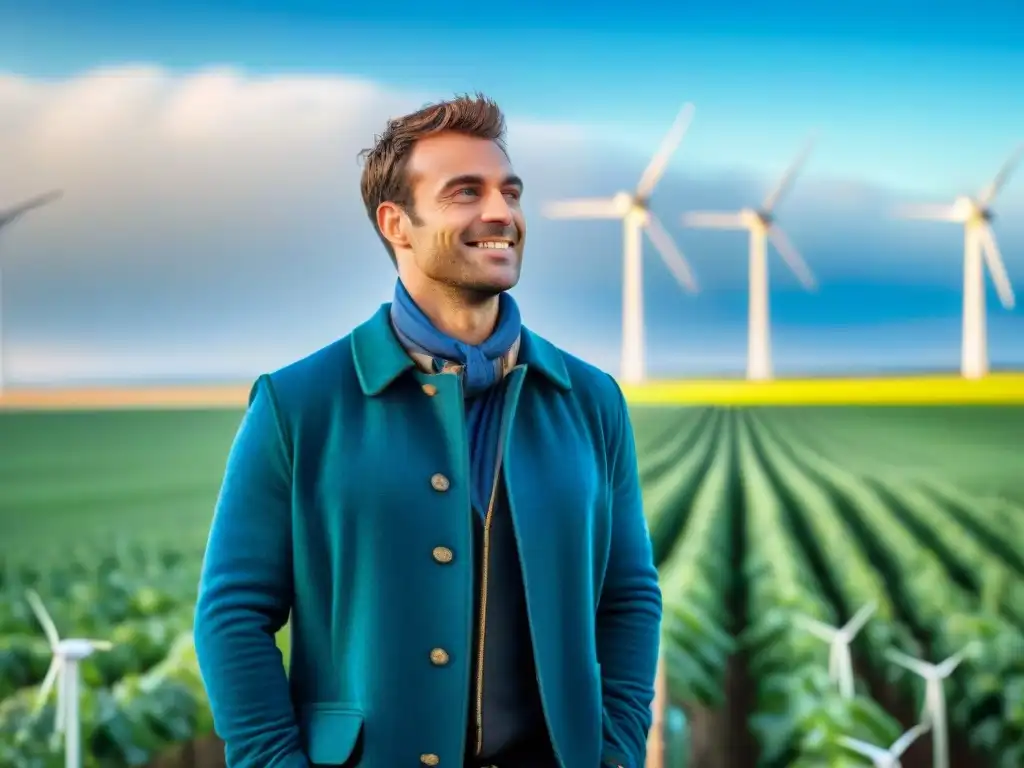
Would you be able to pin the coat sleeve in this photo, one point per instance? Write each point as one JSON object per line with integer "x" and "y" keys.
{"x": 629, "y": 609}
{"x": 245, "y": 595}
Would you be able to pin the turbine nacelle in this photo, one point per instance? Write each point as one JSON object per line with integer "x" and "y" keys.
{"x": 643, "y": 203}
{"x": 629, "y": 204}
{"x": 967, "y": 209}
{"x": 757, "y": 220}
{"x": 76, "y": 649}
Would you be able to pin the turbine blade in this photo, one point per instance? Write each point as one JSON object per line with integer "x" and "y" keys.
{"x": 670, "y": 253}
{"x": 713, "y": 220}
{"x": 43, "y": 617}
{"x": 101, "y": 645}
{"x": 946, "y": 668}
{"x": 988, "y": 194}
{"x": 786, "y": 182}
{"x": 864, "y": 748}
{"x": 48, "y": 681}
{"x": 590, "y": 208}
{"x": 855, "y": 624}
{"x": 917, "y": 666}
{"x": 822, "y": 630}
{"x": 903, "y": 742}
{"x": 927, "y": 212}
{"x": 9, "y": 215}
{"x": 656, "y": 168}
{"x": 792, "y": 257}
{"x": 996, "y": 268}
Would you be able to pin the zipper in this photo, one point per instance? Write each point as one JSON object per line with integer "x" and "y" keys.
{"x": 533, "y": 639}
{"x": 484, "y": 565}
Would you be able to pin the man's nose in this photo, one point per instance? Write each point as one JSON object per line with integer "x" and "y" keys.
{"x": 496, "y": 208}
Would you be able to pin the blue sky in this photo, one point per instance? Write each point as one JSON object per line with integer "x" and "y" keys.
{"x": 911, "y": 100}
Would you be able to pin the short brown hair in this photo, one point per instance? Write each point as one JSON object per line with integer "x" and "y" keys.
{"x": 384, "y": 177}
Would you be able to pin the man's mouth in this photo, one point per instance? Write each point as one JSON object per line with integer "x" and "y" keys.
{"x": 497, "y": 245}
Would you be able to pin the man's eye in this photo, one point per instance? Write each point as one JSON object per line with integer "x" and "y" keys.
{"x": 466, "y": 191}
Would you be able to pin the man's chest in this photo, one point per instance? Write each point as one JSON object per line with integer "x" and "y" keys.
{"x": 395, "y": 476}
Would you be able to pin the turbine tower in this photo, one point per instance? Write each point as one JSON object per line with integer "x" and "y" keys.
{"x": 634, "y": 211}
{"x": 885, "y": 758}
{"x": 7, "y": 217}
{"x": 934, "y": 713}
{"x": 761, "y": 225}
{"x": 980, "y": 250}
{"x": 840, "y": 664}
{"x": 64, "y": 672}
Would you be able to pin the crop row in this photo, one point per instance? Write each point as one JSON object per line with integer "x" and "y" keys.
{"x": 818, "y": 541}
{"x": 797, "y": 714}
{"x": 988, "y": 687}
{"x": 938, "y": 458}
{"x": 968, "y": 531}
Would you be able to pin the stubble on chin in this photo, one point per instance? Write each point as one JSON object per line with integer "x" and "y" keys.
{"x": 451, "y": 266}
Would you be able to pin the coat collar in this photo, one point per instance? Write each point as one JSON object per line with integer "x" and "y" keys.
{"x": 380, "y": 358}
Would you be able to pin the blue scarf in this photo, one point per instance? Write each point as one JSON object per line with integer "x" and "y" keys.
{"x": 482, "y": 378}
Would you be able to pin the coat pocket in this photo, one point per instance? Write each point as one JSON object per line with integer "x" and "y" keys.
{"x": 332, "y": 734}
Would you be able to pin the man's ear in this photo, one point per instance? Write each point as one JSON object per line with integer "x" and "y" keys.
{"x": 393, "y": 224}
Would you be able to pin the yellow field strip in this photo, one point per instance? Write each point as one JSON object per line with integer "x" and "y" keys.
{"x": 922, "y": 390}
{"x": 1007, "y": 389}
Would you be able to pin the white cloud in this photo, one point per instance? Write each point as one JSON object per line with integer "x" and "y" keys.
{"x": 153, "y": 155}
{"x": 222, "y": 205}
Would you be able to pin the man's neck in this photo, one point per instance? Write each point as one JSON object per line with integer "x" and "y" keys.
{"x": 469, "y": 319}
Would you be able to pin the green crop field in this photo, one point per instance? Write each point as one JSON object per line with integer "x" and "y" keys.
{"x": 761, "y": 518}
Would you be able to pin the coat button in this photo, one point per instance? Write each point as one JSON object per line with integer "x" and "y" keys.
{"x": 429, "y": 390}
{"x": 429, "y": 759}
{"x": 439, "y": 482}
{"x": 443, "y": 554}
{"x": 439, "y": 657}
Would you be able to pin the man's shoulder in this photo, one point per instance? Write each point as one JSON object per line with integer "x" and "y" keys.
{"x": 589, "y": 384}
{"x": 321, "y": 373}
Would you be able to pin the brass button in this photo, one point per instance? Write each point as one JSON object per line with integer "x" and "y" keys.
{"x": 429, "y": 390}
{"x": 439, "y": 482}
{"x": 430, "y": 759}
{"x": 443, "y": 554}
{"x": 439, "y": 657}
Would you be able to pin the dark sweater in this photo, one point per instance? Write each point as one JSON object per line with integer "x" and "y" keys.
{"x": 514, "y": 730}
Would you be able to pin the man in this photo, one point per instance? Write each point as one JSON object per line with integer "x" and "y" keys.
{"x": 446, "y": 504}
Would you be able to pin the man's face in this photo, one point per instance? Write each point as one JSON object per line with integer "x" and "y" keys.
{"x": 467, "y": 228}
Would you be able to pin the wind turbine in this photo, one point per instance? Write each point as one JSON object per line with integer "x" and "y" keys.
{"x": 840, "y": 664}
{"x": 634, "y": 211}
{"x": 64, "y": 672}
{"x": 980, "y": 250}
{"x": 934, "y": 712}
{"x": 7, "y": 217}
{"x": 761, "y": 225}
{"x": 885, "y": 758}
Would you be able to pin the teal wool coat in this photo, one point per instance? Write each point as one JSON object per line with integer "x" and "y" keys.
{"x": 345, "y": 503}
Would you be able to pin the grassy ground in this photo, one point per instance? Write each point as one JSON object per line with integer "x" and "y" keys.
{"x": 84, "y": 476}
